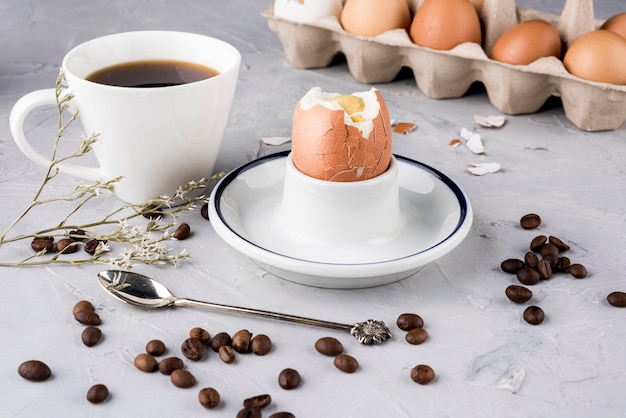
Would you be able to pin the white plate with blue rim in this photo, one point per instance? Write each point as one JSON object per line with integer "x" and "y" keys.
{"x": 243, "y": 207}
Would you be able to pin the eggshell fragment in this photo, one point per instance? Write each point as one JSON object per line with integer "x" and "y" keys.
{"x": 444, "y": 24}
{"x": 404, "y": 128}
{"x": 491, "y": 121}
{"x": 474, "y": 142}
{"x": 526, "y": 42}
{"x": 480, "y": 169}
{"x": 328, "y": 144}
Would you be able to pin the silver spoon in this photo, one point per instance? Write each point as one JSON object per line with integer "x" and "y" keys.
{"x": 139, "y": 290}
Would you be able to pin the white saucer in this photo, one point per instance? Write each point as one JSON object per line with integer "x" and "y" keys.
{"x": 243, "y": 210}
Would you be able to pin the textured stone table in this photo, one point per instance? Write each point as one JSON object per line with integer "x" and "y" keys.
{"x": 488, "y": 361}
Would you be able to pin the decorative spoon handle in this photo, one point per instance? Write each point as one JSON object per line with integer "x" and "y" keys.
{"x": 368, "y": 332}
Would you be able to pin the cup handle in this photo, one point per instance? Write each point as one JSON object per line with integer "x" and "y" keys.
{"x": 21, "y": 109}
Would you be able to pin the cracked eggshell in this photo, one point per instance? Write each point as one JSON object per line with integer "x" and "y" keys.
{"x": 307, "y": 10}
{"x": 328, "y": 145}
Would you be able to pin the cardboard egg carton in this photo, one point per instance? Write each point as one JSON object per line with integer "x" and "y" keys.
{"x": 512, "y": 89}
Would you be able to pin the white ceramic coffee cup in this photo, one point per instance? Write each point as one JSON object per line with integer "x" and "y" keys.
{"x": 156, "y": 138}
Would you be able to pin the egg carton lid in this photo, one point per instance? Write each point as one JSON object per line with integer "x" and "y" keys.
{"x": 512, "y": 89}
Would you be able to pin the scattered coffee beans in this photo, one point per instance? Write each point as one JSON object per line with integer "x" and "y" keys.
{"x": 329, "y": 346}
{"x": 97, "y": 393}
{"x": 260, "y": 344}
{"x": 201, "y": 334}
{"x": 42, "y": 243}
{"x": 416, "y": 336}
{"x": 169, "y": 364}
{"x": 34, "y": 370}
{"x": 617, "y": 299}
{"x": 66, "y": 246}
{"x": 209, "y": 398}
{"x": 534, "y": 315}
{"x": 257, "y": 402}
{"x": 241, "y": 341}
{"x": 512, "y": 265}
{"x": 249, "y": 413}
{"x": 87, "y": 317}
{"x": 528, "y": 276}
{"x": 82, "y": 305}
{"x": 204, "y": 211}
{"x": 530, "y": 221}
{"x": 537, "y": 243}
{"x": 409, "y": 321}
{"x": 226, "y": 354}
{"x": 220, "y": 339}
{"x": 182, "y": 378}
{"x": 193, "y": 349}
{"x": 91, "y": 336}
{"x": 422, "y": 374}
{"x": 146, "y": 363}
{"x": 518, "y": 294}
{"x": 346, "y": 363}
{"x": 155, "y": 347}
{"x": 289, "y": 379}
{"x": 578, "y": 271}
{"x": 182, "y": 232}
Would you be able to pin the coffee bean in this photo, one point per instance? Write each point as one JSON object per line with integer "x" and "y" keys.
{"x": 549, "y": 249}
{"x": 537, "y": 243}
{"x": 226, "y": 354}
{"x": 260, "y": 344}
{"x": 282, "y": 414}
{"x": 289, "y": 379}
{"x": 512, "y": 265}
{"x": 562, "y": 265}
{"x": 91, "y": 336}
{"x": 617, "y": 299}
{"x": 82, "y": 305}
{"x": 92, "y": 245}
{"x": 182, "y": 232}
{"x": 562, "y": 247}
{"x": 329, "y": 346}
{"x": 531, "y": 259}
{"x": 534, "y": 315}
{"x": 220, "y": 339}
{"x": 553, "y": 259}
{"x": 249, "y": 413}
{"x": 193, "y": 349}
{"x": 530, "y": 221}
{"x": 86, "y": 317}
{"x": 204, "y": 211}
{"x": 544, "y": 269}
{"x": 77, "y": 234}
{"x": 182, "y": 378}
{"x": 347, "y": 363}
{"x": 518, "y": 294}
{"x": 422, "y": 374}
{"x": 528, "y": 276}
{"x": 241, "y": 341}
{"x": 201, "y": 334}
{"x": 97, "y": 393}
{"x": 258, "y": 402}
{"x": 66, "y": 246}
{"x": 169, "y": 364}
{"x": 416, "y": 336}
{"x": 145, "y": 362}
{"x": 578, "y": 271}
{"x": 34, "y": 370}
{"x": 155, "y": 347}
{"x": 152, "y": 211}
{"x": 209, "y": 398}
{"x": 409, "y": 321}
{"x": 42, "y": 243}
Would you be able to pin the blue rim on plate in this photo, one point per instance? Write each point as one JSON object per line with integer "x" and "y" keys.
{"x": 333, "y": 274}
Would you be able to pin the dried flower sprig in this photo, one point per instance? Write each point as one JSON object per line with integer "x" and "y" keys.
{"x": 142, "y": 242}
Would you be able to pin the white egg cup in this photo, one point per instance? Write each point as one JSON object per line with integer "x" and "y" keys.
{"x": 320, "y": 211}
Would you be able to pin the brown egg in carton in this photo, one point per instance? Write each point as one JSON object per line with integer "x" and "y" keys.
{"x": 512, "y": 89}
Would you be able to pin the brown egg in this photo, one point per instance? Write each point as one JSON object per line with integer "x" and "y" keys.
{"x": 616, "y": 24}
{"x": 527, "y": 42}
{"x": 373, "y": 17}
{"x": 478, "y": 4}
{"x": 599, "y": 55}
{"x": 444, "y": 24}
{"x": 341, "y": 137}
